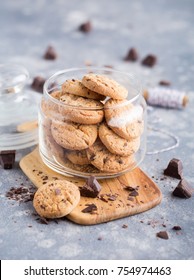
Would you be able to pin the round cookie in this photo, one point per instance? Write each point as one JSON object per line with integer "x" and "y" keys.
{"x": 105, "y": 161}
{"x": 77, "y": 88}
{"x": 56, "y": 199}
{"x": 77, "y": 157}
{"x": 48, "y": 144}
{"x": 105, "y": 86}
{"x": 73, "y": 136}
{"x": 49, "y": 107}
{"x": 81, "y": 110}
{"x": 124, "y": 118}
{"x": 116, "y": 144}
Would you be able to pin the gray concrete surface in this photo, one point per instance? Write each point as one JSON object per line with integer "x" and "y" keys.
{"x": 164, "y": 28}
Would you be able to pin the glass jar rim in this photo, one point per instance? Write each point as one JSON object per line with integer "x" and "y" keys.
{"x": 89, "y": 68}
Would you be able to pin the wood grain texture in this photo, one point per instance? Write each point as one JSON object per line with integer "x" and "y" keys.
{"x": 149, "y": 195}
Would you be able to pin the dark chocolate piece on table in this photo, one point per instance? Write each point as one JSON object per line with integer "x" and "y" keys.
{"x": 132, "y": 55}
{"x": 85, "y": 27}
{"x": 183, "y": 189}
{"x": 162, "y": 234}
{"x": 50, "y": 53}
{"x": 150, "y": 60}
{"x": 38, "y": 84}
{"x": 7, "y": 159}
{"x": 164, "y": 83}
{"x": 176, "y": 228}
{"x": 91, "y": 189}
{"x": 174, "y": 169}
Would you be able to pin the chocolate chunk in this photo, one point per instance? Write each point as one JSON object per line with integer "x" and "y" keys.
{"x": 164, "y": 83}
{"x": 134, "y": 193}
{"x": 7, "y": 159}
{"x": 50, "y": 53}
{"x": 149, "y": 61}
{"x": 90, "y": 208}
{"x": 176, "y": 228}
{"x": 38, "y": 84}
{"x": 162, "y": 234}
{"x": 91, "y": 189}
{"x": 183, "y": 189}
{"x": 132, "y": 55}
{"x": 129, "y": 188}
{"x": 85, "y": 27}
{"x": 111, "y": 197}
{"x": 174, "y": 169}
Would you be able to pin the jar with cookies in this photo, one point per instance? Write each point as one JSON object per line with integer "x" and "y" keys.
{"x": 92, "y": 121}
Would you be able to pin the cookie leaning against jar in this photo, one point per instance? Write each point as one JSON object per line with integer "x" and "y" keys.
{"x": 81, "y": 110}
{"x": 105, "y": 86}
{"x": 124, "y": 118}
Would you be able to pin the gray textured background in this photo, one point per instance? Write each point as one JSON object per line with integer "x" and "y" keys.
{"x": 164, "y": 28}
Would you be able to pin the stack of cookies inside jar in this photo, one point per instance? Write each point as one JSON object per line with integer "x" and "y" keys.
{"x": 89, "y": 126}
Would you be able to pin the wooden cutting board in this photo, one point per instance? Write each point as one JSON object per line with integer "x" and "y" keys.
{"x": 114, "y": 201}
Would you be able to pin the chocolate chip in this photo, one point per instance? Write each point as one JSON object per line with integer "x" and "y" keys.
{"x": 50, "y": 53}
{"x": 92, "y": 157}
{"x": 57, "y": 191}
{"x": 91, "y": 189}
{"x": 38, "y": 84}
{"x": 164, "y": 83}
{"x": 85, "y": 27}
{"x": 7, "y": 159}
{"x": 183, "y": 189}
{"x": 174, "y": 169}
{"x": 134, "y": 193}
{"x": 132, "y": 55}
{"x": 90, "y": 208}
{"x": 162, "y": 234}
{"x": 149, "y": 61}
{"x": 176, "y": 228}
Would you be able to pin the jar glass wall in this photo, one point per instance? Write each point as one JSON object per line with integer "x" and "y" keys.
{"x": 84, "y": 132}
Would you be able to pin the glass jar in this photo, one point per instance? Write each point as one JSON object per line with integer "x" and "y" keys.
{"x": 82, "y": 132}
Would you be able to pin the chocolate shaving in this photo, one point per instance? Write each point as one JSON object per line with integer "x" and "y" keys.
{"x": 91, "y": 189}
{"x": 111, "y": 197}
{"x": 21, "y": 194}
{"x": 162, "y": 234}
{"x": 124, "y": 226}
{"x": 174, "y": 169}
{"x": 90, "y": 208}
{"x": 7, "y": 159}
{"x": 183, "y": 189}
{"x": 134, "y": 193}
